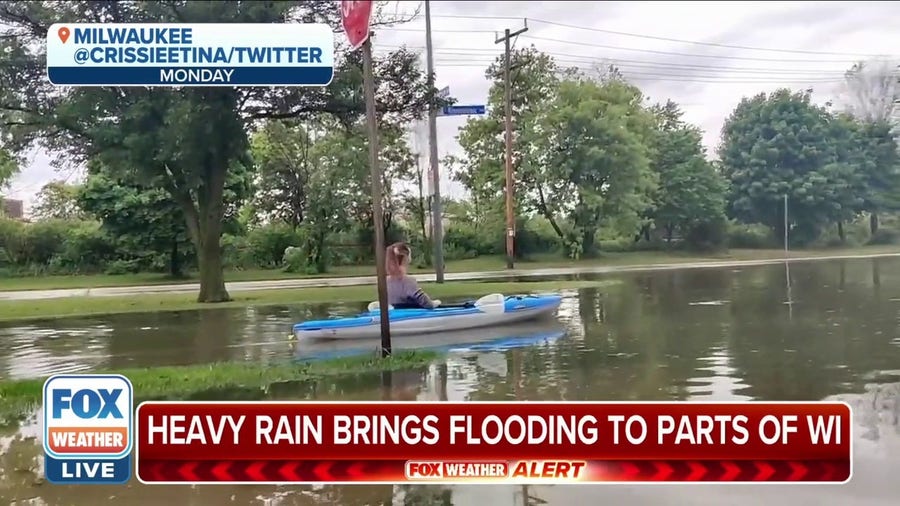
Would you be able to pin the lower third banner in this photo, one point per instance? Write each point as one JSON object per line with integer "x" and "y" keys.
{"x": 504, "y": 442}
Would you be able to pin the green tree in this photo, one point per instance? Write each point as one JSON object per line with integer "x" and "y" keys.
{"x": 594, "y": 162}
{"x": 482, "y": 171}
{"x": 326, "y": 165}
{"x": 870, "y": 90}
{"x": 281, "y": 151}
{"x": 57, "y": 200}
{"x": 183, "y": 140}
{"x": 691, "y": 193}
{"x": 9, "y": 167}
{"x": 782, "y": 144}
{"x": 881, "y": 172}
{"x": 148, "y": 226}
{"x": 143, "y": 221}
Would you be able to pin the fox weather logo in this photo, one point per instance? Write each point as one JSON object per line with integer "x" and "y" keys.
{"x": 88, "y": 424}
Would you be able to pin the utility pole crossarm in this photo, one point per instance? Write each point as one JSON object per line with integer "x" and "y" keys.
{"x": 508, "y": 35}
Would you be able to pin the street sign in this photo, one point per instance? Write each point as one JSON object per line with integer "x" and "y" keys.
{"x": 355, "y": 16}
{"x": 462, "y": 110}
{"x": 444, "y": 92}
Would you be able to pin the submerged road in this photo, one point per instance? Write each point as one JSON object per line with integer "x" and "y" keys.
{"x": 281, "y": 284}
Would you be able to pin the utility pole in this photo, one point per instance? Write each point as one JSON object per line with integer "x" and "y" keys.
{"x": 377, "y": 195}
{"x": 785, "y": 225}
{"x": 437, "y": 225}
{"x": 510, "y": 208}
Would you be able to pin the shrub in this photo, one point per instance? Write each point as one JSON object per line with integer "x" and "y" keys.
{"x": 885, "y": 236}
{"x": 706, "y": 236}
{"x": 86, "y": 248}
{"x": 266, "y": 244}
{"x": 120, "y": 267}
{"x": 750, "y": 236}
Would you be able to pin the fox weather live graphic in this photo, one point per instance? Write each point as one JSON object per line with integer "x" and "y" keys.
{"x": 449, "y": 253}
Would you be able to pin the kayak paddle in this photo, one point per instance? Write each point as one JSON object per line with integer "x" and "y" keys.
{"x": 493, "y": 303}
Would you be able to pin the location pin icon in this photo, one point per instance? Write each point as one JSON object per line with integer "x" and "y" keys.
{"x": 64, "y": 34}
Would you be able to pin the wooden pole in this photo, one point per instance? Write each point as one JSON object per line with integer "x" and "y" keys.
{"x": 437, "y": 226}
{"x": 510, "y": 207}
{"x": 372, "y": 121}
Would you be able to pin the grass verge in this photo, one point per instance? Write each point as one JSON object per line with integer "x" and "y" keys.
{"x": 86, "y": 306}
{"x": 19, "y": 397}
{"x": 485, "y": 263}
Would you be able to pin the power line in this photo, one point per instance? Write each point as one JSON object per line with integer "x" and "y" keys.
{"x": 421, "y": 30}
{"x": 650, "y": 76}
{"x": 688, "y": 55}
{"x": 667, "y": 39}
{"x": 561, "y": 59}
{"x": 486, "y": 57}
{"x": 700, "y": 43}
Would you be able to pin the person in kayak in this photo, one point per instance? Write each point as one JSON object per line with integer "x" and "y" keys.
{"x": 403, "y": 290}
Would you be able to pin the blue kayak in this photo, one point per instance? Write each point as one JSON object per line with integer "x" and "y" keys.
{"x": 487, "y": 311}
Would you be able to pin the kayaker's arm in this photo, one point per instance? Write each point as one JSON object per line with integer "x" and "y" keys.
{"x": 419, "y": 296}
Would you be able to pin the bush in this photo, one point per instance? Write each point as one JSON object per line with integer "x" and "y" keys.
{"x": 236, "y": 252}
{"x": 86, "y": 248}
{"x": 120, "y": 267}
{"x": 12, "y": 240}
{"x": 706, "y": 236}
{"x": 296, "y": 260}
{"x": 266, "y": 245}
{"x": 464, "y": 240}
{"x": 884, "y": 237}
{"x": 750, "y": 236}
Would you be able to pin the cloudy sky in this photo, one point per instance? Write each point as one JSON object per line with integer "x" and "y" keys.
{"x": 703, "y": 55}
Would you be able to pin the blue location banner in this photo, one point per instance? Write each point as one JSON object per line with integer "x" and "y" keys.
{"x": 204, "y": 54}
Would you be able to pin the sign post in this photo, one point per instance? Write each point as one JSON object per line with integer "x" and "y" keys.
{"x": 356, "y": 15}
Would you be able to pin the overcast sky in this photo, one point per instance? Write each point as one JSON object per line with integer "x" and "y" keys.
{"x": 708, "y": 80}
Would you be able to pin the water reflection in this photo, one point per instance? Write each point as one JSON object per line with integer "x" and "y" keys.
{"x": 681, "y": 335}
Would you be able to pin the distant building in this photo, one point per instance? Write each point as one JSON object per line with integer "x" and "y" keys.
{"x": 12, "y": 208}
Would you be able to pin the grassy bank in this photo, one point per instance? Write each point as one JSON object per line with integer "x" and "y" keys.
{"x": 487, "y": 263}
{"x": 85, "y": 306}
{"x": 187, "y": 382}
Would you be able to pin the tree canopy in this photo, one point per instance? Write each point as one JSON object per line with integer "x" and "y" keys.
{"x": 183, "y": 140}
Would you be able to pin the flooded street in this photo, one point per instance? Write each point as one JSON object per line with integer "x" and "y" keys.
{"x": 818, "y": 330}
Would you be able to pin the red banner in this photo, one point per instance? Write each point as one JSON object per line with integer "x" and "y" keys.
{"x": 431, "y": 442}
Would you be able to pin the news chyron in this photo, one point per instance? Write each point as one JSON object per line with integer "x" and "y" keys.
{"x": 88, "y": 429}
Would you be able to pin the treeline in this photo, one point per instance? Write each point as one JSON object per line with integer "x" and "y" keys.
{"x": 598, "y": 168}
{"x": 600, "y": 164}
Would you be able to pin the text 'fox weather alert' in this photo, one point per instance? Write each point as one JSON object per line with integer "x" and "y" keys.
{"x": 88, "y": 429}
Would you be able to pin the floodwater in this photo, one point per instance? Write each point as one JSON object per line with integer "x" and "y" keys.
{"x": 820, "y": 330}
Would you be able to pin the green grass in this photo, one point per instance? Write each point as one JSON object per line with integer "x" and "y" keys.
{"x": 19, "y": 397}
{"x": 487, "y": 263}
{"x": 84, "y": 306}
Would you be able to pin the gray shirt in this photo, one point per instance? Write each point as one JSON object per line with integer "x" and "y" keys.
{"x": 405, "y": 290}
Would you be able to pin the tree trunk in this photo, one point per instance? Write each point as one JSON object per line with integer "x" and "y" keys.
{"x": 174, "y": 264}
{"x": 212, "y": 277}
{"x": 204, "y": 222}
{"x": 320, "y": 262}
{"x": 643, "y": 233}
{"x": 873, "y": 223}
{"x": 841, "y": 234}
{"x": 669, "y": 231}
{"x": 542, "y": 207}
{"x": 588, "y": 244}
